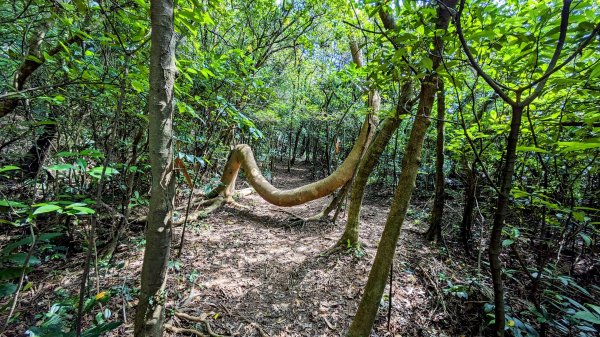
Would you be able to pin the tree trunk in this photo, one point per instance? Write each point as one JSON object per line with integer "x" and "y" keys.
{"x": 149, "y": 319}
{"x": 434, "y": 233}
{"x": 367, "y": 309}
{"x": 241, "y": 157}
{"x": 368, "y": 162}
{"x": 466, "y": 224}
{"x": 499, "y": 217}
{"x": 295, "y": 148}
{"x": 37, "y": 153}
{"x": 31, "y": 62}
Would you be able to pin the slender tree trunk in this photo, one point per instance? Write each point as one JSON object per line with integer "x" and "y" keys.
{"x": 366, "y": 166}
{"x": 31, "y": 62}
{"x": 499, "y": 217}
{"x": 149, "y": 319}
{"x": 466, "y": 224}
{"x": 295, "y": 148}
{"x": 435, "y": 228}
{"x": 367, "y": 309}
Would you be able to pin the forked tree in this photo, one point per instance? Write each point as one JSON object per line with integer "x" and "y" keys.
{"x": 518, "y": 104}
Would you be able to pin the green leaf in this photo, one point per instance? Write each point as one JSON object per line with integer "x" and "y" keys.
{"x": 7, "y": 289}
{"x": 595, "y": 72}
{"x": 12, "y": 272}
{"x": 100, "y": 329}
{"x": 530, "y": 148}
{"x": 586, "y": 239}
{"x": 138, "y": 86}
{"x": 587, "y": 316}
{"x": 96, "y": 172}
{"x": 81, "y": 210}
{"x": 9, "y": 168}
{"x": 19, "y": 259}
{"x": 46, "y": 209}
{"x": 60, "y": 167}
{"x": 427, "y": 63}
{"x": 507, "y": 242}
{"x": 12, "y": 204}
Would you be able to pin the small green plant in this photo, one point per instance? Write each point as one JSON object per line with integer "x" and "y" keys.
{"x": 356, "y": 250}
{"x": 59, "y": 320}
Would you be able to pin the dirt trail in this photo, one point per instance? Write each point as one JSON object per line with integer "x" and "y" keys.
{"x": 248, "y": 273}
{"x": 257, "y": 273}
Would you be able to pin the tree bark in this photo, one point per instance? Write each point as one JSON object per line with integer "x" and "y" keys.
{"x": 495, "y": 246}
{"x": 434, "y": 233}
{"x": 35, "y": 157}
{"x": 366, "y": 166}
{"x": 466, "y": 224}
{"x": 241, "y": 157}
{"x": 32, "y": 61}
{"x": 367, "y": 309}
{"x": 149, "y": 319}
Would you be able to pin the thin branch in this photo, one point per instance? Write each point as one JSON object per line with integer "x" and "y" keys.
{"x": 495, "y": 85}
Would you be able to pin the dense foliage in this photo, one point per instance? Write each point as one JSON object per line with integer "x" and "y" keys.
{"x": 279, "y": 76}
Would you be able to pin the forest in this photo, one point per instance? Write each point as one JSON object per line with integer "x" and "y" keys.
{"x": 299, "y": 168}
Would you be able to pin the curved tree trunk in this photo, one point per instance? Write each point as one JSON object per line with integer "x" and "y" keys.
{"x": 434, "y": 233}
{"x": 241, "y": 157}
{"x": 149, "y": 318}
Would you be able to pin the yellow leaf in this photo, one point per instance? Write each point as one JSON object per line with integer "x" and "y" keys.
{"x": 100, "y": 295}
{"x": 511, "y": 323}
{"x": 216, "y": 316}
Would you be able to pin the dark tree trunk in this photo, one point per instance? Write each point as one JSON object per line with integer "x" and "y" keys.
{"x": 466, "y": 225}
{"x": 499, "y": 217}
{"x": 435, "y": 228}
{"x": 36, "y": 156}
{"x": 295, "y": 148}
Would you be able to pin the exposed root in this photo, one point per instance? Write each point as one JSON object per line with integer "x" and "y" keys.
{"x": 177, "y": 330}
{"x": 198, "y": 320}
{"x": 333, "y": 250}
{"x": 344, "y": 247}
{"x": 212, "y": 205}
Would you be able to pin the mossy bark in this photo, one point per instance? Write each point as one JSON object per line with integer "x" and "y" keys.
{"x": 368, "y": 163}
{"x": 367, "y": 309}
